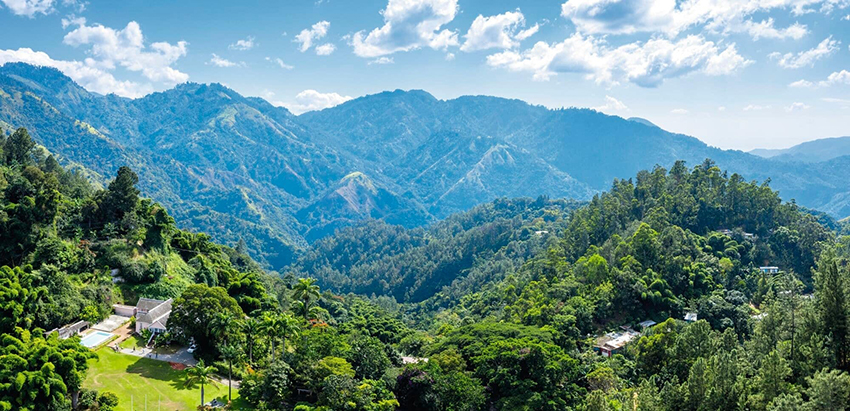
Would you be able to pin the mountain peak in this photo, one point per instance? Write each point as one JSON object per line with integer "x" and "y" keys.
{"x": 40, "y": 78}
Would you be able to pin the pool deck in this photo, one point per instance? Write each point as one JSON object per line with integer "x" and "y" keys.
{"x": 111, "y": 324}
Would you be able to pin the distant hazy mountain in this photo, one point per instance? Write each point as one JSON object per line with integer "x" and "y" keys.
{"x": 240, "y": 168}
{"x": 814, "y": 151}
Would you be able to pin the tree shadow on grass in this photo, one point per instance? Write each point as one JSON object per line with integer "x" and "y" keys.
{"x": 161, "y": 371}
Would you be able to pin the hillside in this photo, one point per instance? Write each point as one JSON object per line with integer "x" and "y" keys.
{"x": 411, "y": 265}
{"x": 511, "y": 302}
{"x": 242, "y": 169}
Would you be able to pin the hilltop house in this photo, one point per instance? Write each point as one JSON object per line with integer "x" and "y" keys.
{"x": 769, "y": 270}
{"x": 152, "y": 315}
{"x": 612, "y": 343}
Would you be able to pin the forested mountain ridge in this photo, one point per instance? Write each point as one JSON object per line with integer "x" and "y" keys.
{"x": 411, "y": 265}
{"x": 505, "y": 301}
{"x": 654, "y": 247}
{"x": 814, "y": 151}
{"x": 240, "y": 168}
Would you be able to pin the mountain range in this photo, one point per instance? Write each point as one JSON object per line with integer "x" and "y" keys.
{"x": 815, "y": 151}
{"x": 240, "y": 168}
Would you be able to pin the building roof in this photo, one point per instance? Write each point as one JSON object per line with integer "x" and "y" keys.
{"x": 769, "y": 267}
{"x": 647, "y": 323}
{"x": 158, "y": 311}
{"x": 69, "y": 330}
{"x": 615, "y": 341}
{"x": 691, "y": 316}
{"x": 147, "y": 304}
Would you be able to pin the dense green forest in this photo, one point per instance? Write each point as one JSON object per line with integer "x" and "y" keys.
{"x": 495, "y": 308}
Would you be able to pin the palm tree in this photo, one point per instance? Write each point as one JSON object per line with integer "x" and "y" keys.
{"x": 230, "y": 354}
{"x": 200, "y": 374}
{"x": 222, "y": 325}
{"x": 287, "y": 327}
{"x": 306, "y": 292}
{"x": 251, "y": 327}
{"x": 270, "y": 325}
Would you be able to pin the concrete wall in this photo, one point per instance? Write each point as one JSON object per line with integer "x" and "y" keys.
{"x": 124, "y": 310}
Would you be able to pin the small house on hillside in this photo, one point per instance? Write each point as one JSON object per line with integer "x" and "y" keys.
{"x": 152, "y": 315}
{"x": 769, "y": 270}
{"x": 613, "y": 343}
{"x": 691, "y": 317}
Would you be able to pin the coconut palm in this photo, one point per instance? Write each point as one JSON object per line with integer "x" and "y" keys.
{"x": 307, "y": 293}
{"x": 200, "y": 374}
{"x": 230, "y": 354}
{"x": 251, "y": 327}
{"x": 287, "y": 327}
{"x": 223, "y": 325}
{"x": 270, "y": 327}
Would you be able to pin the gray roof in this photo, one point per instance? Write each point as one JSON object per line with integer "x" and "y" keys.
{"x": 147, "y": 304}
{"x": 157, "y": 312}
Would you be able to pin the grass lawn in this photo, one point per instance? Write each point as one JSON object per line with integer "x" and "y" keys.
{"x": 133, "y": 377}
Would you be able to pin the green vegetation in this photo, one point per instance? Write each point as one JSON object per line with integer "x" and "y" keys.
{"x": 500, "y": 306}
{"x": 133, "y": 379}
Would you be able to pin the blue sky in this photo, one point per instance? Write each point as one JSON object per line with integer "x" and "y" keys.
{"x": 735, "y": 73}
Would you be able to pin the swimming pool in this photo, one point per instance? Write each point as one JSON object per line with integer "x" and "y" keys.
{"x": 94, "y": 339}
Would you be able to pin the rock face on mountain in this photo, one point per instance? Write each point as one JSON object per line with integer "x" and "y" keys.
{"x": 240, "y": 168}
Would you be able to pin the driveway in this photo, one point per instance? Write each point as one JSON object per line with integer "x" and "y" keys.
{"x": 181, "y": 356}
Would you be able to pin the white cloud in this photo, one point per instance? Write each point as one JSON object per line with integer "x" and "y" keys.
{"x": 219, "y": 61}
{"x": 325, "y": 49}
{"x": 801, "y": 84}
{"x": 29, "y": 8}
{"x": 126, "y": 48}
{"x": 502, "y": 31}
{"x": 307, "y": 36}
{"x": 808, "y": 57}
{"x": 645, "y": 64}
{"x": 797, "y": 107}
{"x": 89, "y": 76}
{"x": 522, "y": 35}
{"x": 846, "y": 18}
{"x": 244, "y": 44}
{"x": 679, "y": 111}
{"x": 766, "y": 30}
{"x": 409, "y": 25}
{"x": 309, "y": 100}
{"x": 837, "y": 78}
{"x": 756, "y": 107}
{"x": 73, "y": 20}
{"x": 612, "y": 104}
{"x": 836, "y": 100}
{"x": 280, "y": 63}
{"x": 721, "y": 108}
{"x": 672, "y": 17}
{"x": 450, "y": 56}
{"x": 382, "y": 60}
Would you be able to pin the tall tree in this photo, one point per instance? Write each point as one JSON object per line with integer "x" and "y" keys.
{"x": 251, "y": 327}
{"x": 831, "y": 290}
{"x": 122, "y": 196}
{"x": 200, "y": 374}
{"x": 19, "y": 148}
{"x": 229, "y": 354}
{"x": 287, "y": 327}
{"x": 307, "y": 293}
